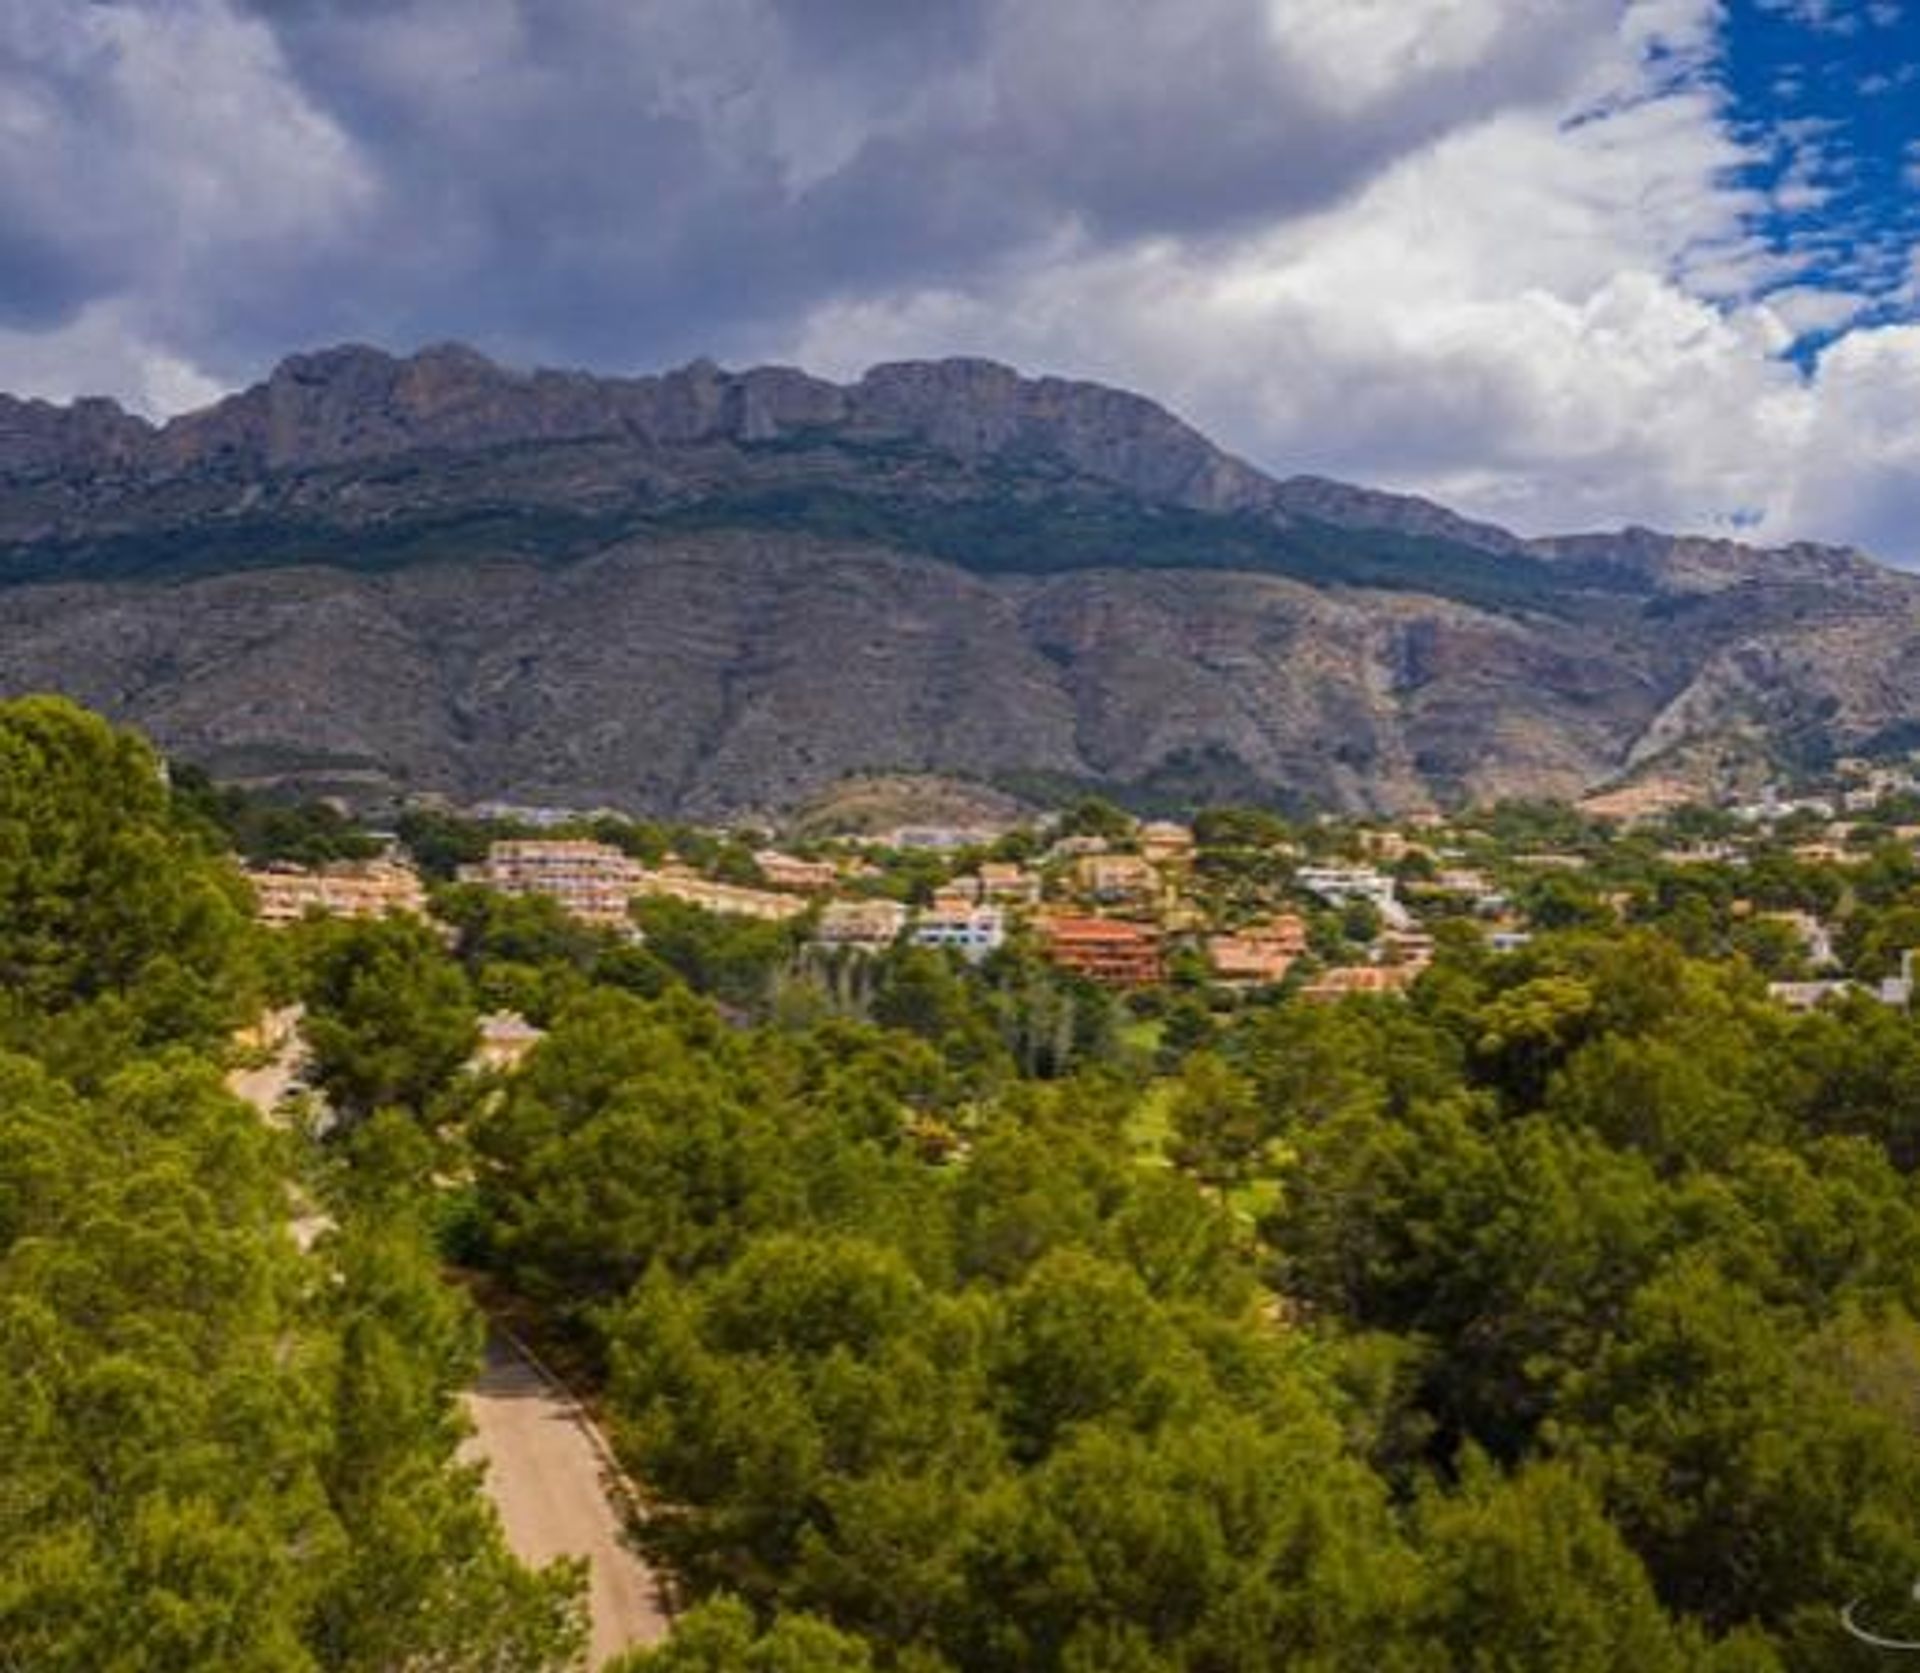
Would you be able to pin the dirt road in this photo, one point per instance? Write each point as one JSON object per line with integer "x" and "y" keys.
{"x": 264, "y": 1086}
{"x": 547, "y": 1477}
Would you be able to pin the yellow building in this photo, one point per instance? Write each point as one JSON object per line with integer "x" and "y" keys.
{"x": 284, "y": 894}
{"x": 787, "y": 871}
{"x": 871, "y": 925}
{"x": 594, "y": 881}
{"x": 677, "y": 883}
{"x": 1165, "y": 843}
{"x": 1009, "y": 884}
{"x": 1111, "y": 878}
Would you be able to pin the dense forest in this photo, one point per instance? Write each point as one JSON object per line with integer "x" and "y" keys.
{"x": 1555, "y": 1315}
{"x": 1560, "y": 1318}
{"x": 215, "y": 1452}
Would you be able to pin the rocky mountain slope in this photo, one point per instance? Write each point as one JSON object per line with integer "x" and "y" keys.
{"x": 706, "y": 591}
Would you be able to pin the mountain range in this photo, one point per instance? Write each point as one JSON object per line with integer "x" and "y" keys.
{"x": 707, "y": 592}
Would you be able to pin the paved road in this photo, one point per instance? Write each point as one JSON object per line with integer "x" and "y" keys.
{"x": 547, "y": 1478}
{"x": 546, "y": 1466}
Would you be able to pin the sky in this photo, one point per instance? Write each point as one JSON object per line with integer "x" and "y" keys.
{"x": 1564, "y": 264}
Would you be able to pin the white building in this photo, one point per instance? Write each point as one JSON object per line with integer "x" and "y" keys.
{"x": 971, "y": 931}
{"x": 1338, "y": 885}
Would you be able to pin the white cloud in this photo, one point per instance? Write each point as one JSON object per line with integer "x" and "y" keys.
{"x": 1554, "y": 325}
{"x": 1495, "y": 251}
{"x": 101, "y": 348}
{"x": 1805, "y": 309}
{"x": 1857, "y": 467}
{"x": 1510, "y": 319}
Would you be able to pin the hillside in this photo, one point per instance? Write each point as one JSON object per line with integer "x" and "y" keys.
{"x": 706, "y": 591}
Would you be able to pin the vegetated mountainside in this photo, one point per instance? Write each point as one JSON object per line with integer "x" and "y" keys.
{"x": 707, "y": 591}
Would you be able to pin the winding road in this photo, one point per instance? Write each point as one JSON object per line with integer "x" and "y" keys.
{"x": 549, "y": 1470}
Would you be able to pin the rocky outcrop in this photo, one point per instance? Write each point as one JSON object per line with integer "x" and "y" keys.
{"x": 709, "y": 590}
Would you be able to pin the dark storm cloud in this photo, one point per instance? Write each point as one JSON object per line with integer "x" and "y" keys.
{"x": 151, "y": 154}
{"x": 623, "y": 183}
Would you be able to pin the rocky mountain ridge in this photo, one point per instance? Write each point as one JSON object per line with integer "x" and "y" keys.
{"x": 707, "y": 590}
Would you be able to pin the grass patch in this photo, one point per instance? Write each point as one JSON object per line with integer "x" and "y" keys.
{"x": 1150, "y": 1125}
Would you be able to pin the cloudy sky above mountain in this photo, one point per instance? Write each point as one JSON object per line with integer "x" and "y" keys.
{"x": 1564, "y": 263}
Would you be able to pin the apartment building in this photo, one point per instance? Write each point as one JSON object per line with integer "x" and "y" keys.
{"x": 593, "y": 881}
{"x": 284, "y": 894}
{"x": 962, "y": 927}
{"x": 787, "y": 871}
{"x": 1259, "y": 954}
{"x": 1113, "y": 878}
{"x": 677, "y": 883}
{"x": 868, "y": 925}
{"x": 1103, "y": 950}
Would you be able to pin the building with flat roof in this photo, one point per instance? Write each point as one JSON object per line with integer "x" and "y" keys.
{"x": 1337, "y": 885}
{"x": 1112, "y": 878}
{"x": 677, "y": 883}
{"x": 284, "y": 894}
{"x": 869, "y": 925}
{"x": 788, "y": 871}
{"x": 1404, "y": 947}
{"x": 593, "y": 881}
{"x": 971, "y": 931}
{"x": 940, "y": 838}
{"x": 1008, "y": 883}
{"x": 1166, "y": 843}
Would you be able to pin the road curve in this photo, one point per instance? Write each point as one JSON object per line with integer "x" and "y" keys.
{"x": 548, "y": 1470}
{"x": 547, "y": 1474}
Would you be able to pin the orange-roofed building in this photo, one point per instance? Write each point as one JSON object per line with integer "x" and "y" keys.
{"x": 1104, "y": 950}
{"x": 1260, "y": 954}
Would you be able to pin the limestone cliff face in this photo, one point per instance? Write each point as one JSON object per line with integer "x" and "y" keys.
{"x": 705, "y": 591}
{"x": 353, "y": 404}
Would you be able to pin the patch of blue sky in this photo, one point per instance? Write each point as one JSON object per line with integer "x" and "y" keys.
{"x": 1824, "y": 96}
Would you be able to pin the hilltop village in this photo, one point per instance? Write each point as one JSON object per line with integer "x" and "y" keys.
{"x": 1237, "y": 905}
